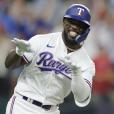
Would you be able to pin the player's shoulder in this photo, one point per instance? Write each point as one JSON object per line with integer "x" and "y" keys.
{"x": 46, "y": 36}
{"x": 53, "y": 35}
{"x": 88, "y": 60}
{"x": 83, "y": 56}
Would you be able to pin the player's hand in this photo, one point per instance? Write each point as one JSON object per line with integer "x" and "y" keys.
{"x": 66, "y": 61}
{"x": 22, "y": 46}
{"x": 76, "y": 70}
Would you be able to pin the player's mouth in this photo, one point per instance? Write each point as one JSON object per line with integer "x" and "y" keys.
{"x": 72, "y": 35}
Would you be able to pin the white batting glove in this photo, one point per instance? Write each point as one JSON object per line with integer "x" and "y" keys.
{"x": 22, "y": 46}
{"x": 76, "y": 70}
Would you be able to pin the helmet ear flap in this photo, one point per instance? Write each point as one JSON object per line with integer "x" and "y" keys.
{"x": 80, "y": 38}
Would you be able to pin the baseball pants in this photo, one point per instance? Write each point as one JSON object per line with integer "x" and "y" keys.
{"x": 17, "y": 105}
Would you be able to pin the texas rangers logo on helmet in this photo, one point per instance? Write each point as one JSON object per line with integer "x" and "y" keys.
{"x": 80, "y": 11}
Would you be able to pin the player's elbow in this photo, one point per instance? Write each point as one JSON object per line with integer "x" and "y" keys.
{"x": 8, "y": 64}
{"x": 11, "y": 60}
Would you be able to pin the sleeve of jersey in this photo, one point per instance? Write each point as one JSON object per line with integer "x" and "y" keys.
{"x": 34, "y": 42}
{"x": 28, "y": 57}
{"x": 83, "y": 85}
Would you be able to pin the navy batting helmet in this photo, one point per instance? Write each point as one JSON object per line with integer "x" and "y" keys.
{"x": 79, "y": 12}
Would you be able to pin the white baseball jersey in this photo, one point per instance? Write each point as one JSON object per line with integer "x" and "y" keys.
{"x": 46, "y": 78}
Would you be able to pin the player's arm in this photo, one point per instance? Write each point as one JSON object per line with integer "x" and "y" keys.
{"x": 81, "y": 86}
{"x": 80, "y": 83}
{"x": 19, "y": 56}
{"x": 13, "y": 60}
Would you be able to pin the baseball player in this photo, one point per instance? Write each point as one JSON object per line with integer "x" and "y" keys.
{"x": 55, "y": 64}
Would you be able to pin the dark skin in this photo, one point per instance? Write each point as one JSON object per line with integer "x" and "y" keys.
{"x": 75, "y": 26}
{"x": 13, "y": 60}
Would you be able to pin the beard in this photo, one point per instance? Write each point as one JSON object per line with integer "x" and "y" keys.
{"x": 69, "y": 41}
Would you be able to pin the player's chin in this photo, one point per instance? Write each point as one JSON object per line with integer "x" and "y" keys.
{"x": 71, "y": 38}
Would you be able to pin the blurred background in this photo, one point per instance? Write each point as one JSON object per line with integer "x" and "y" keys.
{"x": 26, "y": 18}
